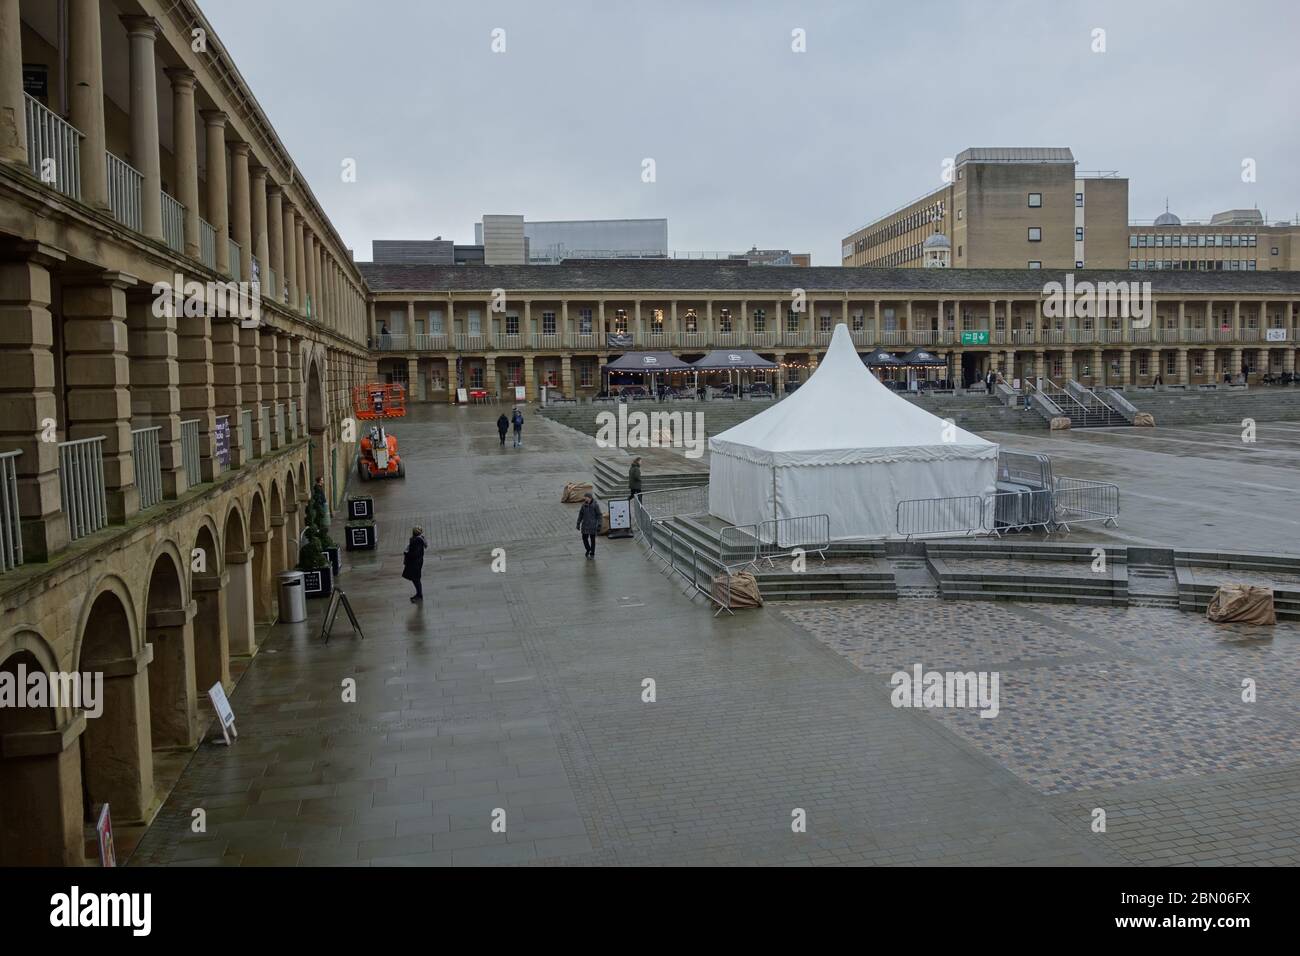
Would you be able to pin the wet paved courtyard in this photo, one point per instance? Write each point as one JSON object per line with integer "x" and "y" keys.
{"x": 521, "y": 696}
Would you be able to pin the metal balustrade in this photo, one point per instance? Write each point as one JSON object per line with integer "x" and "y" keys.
{"x": 279, "y": 423}
{"x": 53, "y": 149}
{"x": 148, "y": 465}
{"x": 431, "y": 342}
{"x": 269, "y": 284}
{"x": 246, "y": 432}
{"x": 11, "y": 531}
{"x": 125, "y": 183}
{"x": 191, "y": 454}
{"x": 264, "y": 415}
{"x": 81, "y": 485}
{"x": 546, "y": 340}
{"x": 919, "y": 517}
{"x": 293, "y": 419}
{"x": 235, "y": 267}
{"x": 392, "y": 342}
{"x": 173, "y": 221}
{"x": 208, "y": 244}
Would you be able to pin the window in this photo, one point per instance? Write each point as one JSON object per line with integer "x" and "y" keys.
{"x": 791, "y": 320}
{"x": 584, "y": 321}
{"x": 657, "y": 320}
{"x": 760, "y": 320}
{"x": 620, "y": 321}
{"x": 858, "y": 322}
{"x": 1035, "y": 200}
{"x": 1035, "y": 264}
{"x": 961, "y": 214}
{"x": 1078, "y": 200}
{"x": 959, "y": 252}
{"x": 1142, "y": 364}
{"x": 476, "y": 376}
{"x": 475, "y": 322}
{"x": 1171, "y": 364}
{"x": 1273, "y": 251}
{"x": 512, "y": 324}
{"x": 1035, "y": 234}
{"x": 1078, "y": 233}
{"x": 724, "y": 320}
{"x": 585, "y": 376}
{"x": 548, "y": 323}
{"x": 824, "y": 322}
{"x": 1132, "y": 242}
{"x": 435, "y": 322}
{"x": 691, "y": 321}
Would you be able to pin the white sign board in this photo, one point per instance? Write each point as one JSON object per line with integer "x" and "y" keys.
{"x": 1276, "y": 335}
{"x": 620, "y": 515}
{"x": 462, "y": 396}
{"x": 104, "y": 833}
{"x": 225, "y": 716}
{"x": 519, "y": 393}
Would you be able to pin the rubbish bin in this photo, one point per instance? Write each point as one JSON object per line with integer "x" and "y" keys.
{"x": 293, "y": 597}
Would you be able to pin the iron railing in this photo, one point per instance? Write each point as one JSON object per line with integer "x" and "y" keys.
{"x": 148, "y": 464}
{"x": 208, "y": 244}
{"x": 125, "y": 183}
{"x": 264, "y": 416}
{"x": 1076, "y": 500}
{"x": 246, "y": 433}
{"x": 293, "y": 419}
{"x": 676, "y": 502}
{"x": 11, "y": 531}
{"x": 173, "y": 221}
{"x": 53, "y": 149}
{"x": 919, "y": 517}
{"x": 774, "y": 538}
{"x": 191, "y": 455}
{"x": 279, "y": 423}
{"x": 81, "y": 485}
{"x": 234, "y": 252}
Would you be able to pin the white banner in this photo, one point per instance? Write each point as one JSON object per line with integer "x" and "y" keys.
{"x": 1275, "y": 335}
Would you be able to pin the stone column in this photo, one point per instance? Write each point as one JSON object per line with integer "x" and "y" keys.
{"x": 34, "y": 765}
{"x": 239, "y": 603}
{"x": 1236, "y": 324}
{"x": 1207, "y": 361}
{"x": 1098, "y": 368}
{"x": 125, "y": 781}
{"x": 260, "y": 240}
{"x": 155, "y": 384}
{"x": 1288, "y": 359}
{"x": 215, "y": 125}
{"x": 227, "y": 384}
{"x": 283, "y": 383}
{"x": 250, "y": 386}
{"x": 268, "y": 353}
{"x": 13, "y": 108}
{"x": 173, "y": 690}
{"x": 309, "y": 272}
{"x": 185, "y": 146}
{"x": 300, "y": 263}
{"x": 141, "y": 34}
{"x": 241, "y": 206}
{"x": 28, "y": 408}
{"x": 567, "y": 385}
{"x": 1125, "y": 367}
{"x": 194, "y": 380}
{"x": 1234, "y": 363}
{"x": 275, "y": 240}
{"x": 1183, "y": 369}
{"x": 1067, "y": 364}
{"x": 86, "y": 98}
{"x": 289, "y": 267}
{"x": 211, "y": 628}
{"x": 97, "y": 381}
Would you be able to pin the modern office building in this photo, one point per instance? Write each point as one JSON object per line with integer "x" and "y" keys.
{"x": 1019, "y": 208}
{"x": 425, "y": 252}
{"x": 1235, "y": 240}
{"x": 156, "y": 452}
{"x": 550, "y": 242}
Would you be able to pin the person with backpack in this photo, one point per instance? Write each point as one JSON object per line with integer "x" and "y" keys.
{"x": 413, "y": 562}
{"x": 634, "y": 480}
{"x": 518, "y": 420}
{"x": 589, "y": 523}
{"x": 503, "y": 426}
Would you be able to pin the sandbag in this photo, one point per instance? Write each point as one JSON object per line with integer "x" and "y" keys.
{"x": 1144, "y": 420}
{"x": 1060, "y": 423}
{"x": 574, "y": 490}
{"x": 604, "y": 522}
{"x": 1242, "y": 604}
{"x": 744, "y": 590}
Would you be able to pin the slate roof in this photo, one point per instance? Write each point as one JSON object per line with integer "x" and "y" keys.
{"x": 647, "y": 277}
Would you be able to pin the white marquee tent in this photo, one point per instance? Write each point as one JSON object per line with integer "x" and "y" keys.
{"x": 844, "y": 445}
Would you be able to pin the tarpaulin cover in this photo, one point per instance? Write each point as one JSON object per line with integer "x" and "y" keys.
{"x": 1242, "y": 604}
{"x": 574, "y": 490}
{"x": 744, "y": 590}
{"x": 731, "y": 358}
{"x": 846, "y": 446}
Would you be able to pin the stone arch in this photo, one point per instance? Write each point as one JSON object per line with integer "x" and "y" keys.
{"x": 261, "y": 536}
{"x": 207, "y": 586}
{"x": 293, "y": 517}
{"x": 238, "y": 560}
{"x": 116, "y": 745}
{"x": 317, "y": 421}
{"x": 168, "y": 626}
{"x": 280, "y": 542}
{"x": 40, "y": 775}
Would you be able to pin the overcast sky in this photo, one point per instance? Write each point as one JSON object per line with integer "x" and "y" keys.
{"x": 754, "y": 143}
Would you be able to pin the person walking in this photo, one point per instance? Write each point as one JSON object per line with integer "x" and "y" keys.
{"x": 518, "y": 420}
{"x": 413, "y": 561}
{"x": 589, "y": 523}
{"x": 634, "y": 480}
{"x": 503, "y": 426}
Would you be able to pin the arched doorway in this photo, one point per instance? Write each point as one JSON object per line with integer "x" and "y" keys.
{"x": 238, "y": 557}
{"x": 173, "y": 695}
{"x": 261, "y": 535}
{"x": 292, "y": 516}
{"x": 116, "y": 746}
{"x": 211, "y": 635}
{"x": 279, "y": 534}
{"x": 316, "y": 422}
{"x": 40, "y": 767}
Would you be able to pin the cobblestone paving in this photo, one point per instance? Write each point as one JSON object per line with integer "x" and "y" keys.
{"x": 1028, "y": 568}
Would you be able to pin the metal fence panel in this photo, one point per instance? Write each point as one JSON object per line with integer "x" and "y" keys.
{"x": 148, "y": 465}
{"x": 928, "y": 516}
{"x": 11, "y": 532}
{"x": 81, "y": 485}
{"x": 190, "y": 452}
{"x": 1077, "y": 500}
{"x": 676, "y": 502}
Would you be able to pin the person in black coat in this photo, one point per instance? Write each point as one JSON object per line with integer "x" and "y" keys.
{"x": 589, "y": 523}
{"x": 413, "y": 561}
{"x": 503, "y": 426}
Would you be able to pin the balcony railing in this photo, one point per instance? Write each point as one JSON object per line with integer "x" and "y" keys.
{"x": 81, "y": 485}
{"x": 124, "y": 185}
{"x": 11, "y": 531}
{"x": 509, "y": 340}
{"x": 246, "y": 432}
{"x": 431, "y": 341}
{"x": 173, "y": 219}
{"x": 148, "y": 465}
{"x": 53, "y": 149}
{"x": 264, "y": 445}
{"x": 235, "y": 267}
{"x": 208, "y": 244}
{"x": 584, "y": 340}
{"x": 546, "y": 340}
{"x": 470, "y": 340}
{"x": 190, "y": 452}
{"x": 393, "y": 341}
{"x": 279, "y": 423}
{"x": 293, "y": 419}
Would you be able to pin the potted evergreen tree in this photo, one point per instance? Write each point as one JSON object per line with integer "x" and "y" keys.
{"x": 313, "y": 553}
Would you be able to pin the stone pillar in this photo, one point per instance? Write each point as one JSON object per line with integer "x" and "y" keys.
{"x": 1234, "y": 362}
{"x": 490, "y": 376}
{"x": 185, "y": 147}
{"x": 1040, "y": 364}
{"x": 260, "y": 240}
{"x": 227, "y": 384}
{"x": 275, "y": 240}
{"x": 1067, "y": 365}
{"x": 13, "y": 108}
{"x": 1288, "y": 359}
{"x": 27, "y": 402}
{"x": 289, "y": 267}
{"x": 309, "y": 272}
{"x": 141, "y": 34}
{"x": 284, "y": 383}
{"x": 194, "y": 380}
{"x": 42, "y": 774}
{"x": 173, "y": 690}
{"x": 1125, "y": 367}
{"x": 155, "y": 384}
{"x": 86, "y": 98}
{"x": 241, "y": 206}
{"x": 124, "y": 780}
{"x": 300, "y": 264}
{"x": 1098, "y": 368}
{"x": 215, "y": 126}
{"x": 250, "y": 386}
{"x": 97, "y": 381}
{"x": 264, "y": 548}
{"x": 567, "y": 385}
{"x": 211, "y": 629}
{"x": 242, "y": 640}
{"x": 1236, "y": 324}
{"x": 268, "y": 354}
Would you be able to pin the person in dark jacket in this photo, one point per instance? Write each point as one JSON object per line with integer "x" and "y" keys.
{"x": 518, "y": 421}
{"x": 413, "y": 561}
{"x": 503, "y": 426}
{"x": 589, "y": 523}
{"x": 634, "y": 480}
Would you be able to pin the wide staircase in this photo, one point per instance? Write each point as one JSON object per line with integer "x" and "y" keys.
{"x": 1082, "y": 406}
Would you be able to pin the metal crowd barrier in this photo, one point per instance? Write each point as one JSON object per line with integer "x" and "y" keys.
{"x": 1069, "y": 501}
{"x": 11, "y": 532}
{"x": 926, "y": 516}
{"x": 1077, "y": 500}
{"x": 676, "y": 502}
{"x": 775, "y": 538}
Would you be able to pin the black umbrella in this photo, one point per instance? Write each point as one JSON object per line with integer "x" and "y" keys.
{"x": 923, "y": 358}
{"x": 879, "y": 358}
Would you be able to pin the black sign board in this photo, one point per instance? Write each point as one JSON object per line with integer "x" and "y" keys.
{"x": 361, "y": 508}
{"x": 36, "y": 81}
{"x": 223, "y": 442}
{"x": 618, "y": 340}
{"x": 361, "y": 537}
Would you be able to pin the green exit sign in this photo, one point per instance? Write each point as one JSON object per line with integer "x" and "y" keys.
{"x": 974, "y": 338}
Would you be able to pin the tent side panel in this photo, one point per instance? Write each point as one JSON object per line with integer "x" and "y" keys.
{"x": 740, "y": 491}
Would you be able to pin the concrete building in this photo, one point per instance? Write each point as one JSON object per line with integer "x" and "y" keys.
{"x": 555, "y": 324}
{"x": 550, "y": 242}
{"x": 425, "y": 252}
{"x": 1018, "y": 208}
{"x": 155, "y": 452}
{"x": 1238, "y": 239}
